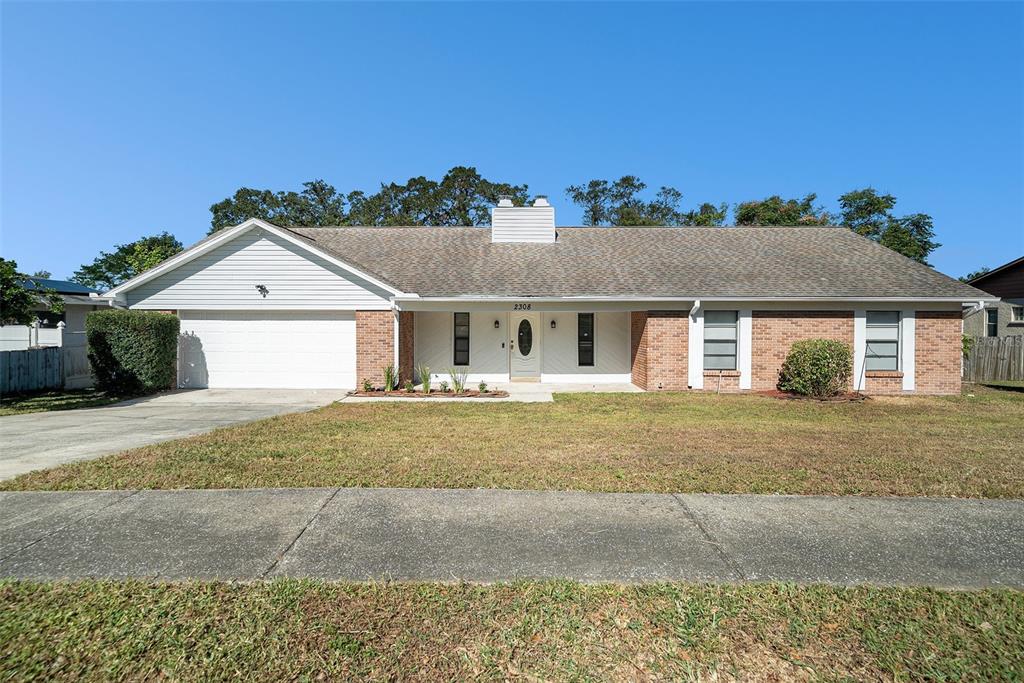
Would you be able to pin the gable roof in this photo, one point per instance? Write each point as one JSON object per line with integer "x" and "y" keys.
{"x": 979, "y": 281}
{"x": 754, "y": 262}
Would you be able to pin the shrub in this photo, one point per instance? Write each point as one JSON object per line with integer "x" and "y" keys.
{"x": 424, "y": 374}
{"x": 817, "y": 367}
{"x": 367, "y": 385}
{"x": 390, "y": 378}
{"x": 458, "y": 379}
{"x": 444, "y": 387}
{"x": 133, "y": 352}
{"x": 409, "y": 386}
{"x": 483, "y": 387}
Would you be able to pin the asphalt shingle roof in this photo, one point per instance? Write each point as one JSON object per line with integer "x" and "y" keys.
{"x": 657, "y": 262}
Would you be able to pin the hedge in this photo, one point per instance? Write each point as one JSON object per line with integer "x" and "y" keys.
{"x": 133, "y": 352}
{"x": 817, "y": 367}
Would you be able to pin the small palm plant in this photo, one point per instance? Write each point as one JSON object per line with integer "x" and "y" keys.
{"x": 458, "y": 379}
{"x": 390, "y": 378}
{"x": 424, "y": 374}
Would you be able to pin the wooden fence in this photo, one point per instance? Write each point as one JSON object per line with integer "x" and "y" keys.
{"x": 31, "y": 370}
{"x": 995, "y": 358}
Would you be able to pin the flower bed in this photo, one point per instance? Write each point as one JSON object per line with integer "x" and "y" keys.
{"x": 437, "y": 393}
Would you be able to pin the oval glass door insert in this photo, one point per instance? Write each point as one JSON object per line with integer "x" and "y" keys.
{"x": 525, "y": 337}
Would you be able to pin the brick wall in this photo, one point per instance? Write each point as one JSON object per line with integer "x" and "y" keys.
{"x": 937, "y": 349}
{"x": 375, "y": 334}
{"x": 406, "y": 344}
{"x": 774, "y": 332}
{"x": 880, "y": 382}
{"x": 667, "y": 334}
{"x": 722, "y": 381}
{"x": 638, "y": 347}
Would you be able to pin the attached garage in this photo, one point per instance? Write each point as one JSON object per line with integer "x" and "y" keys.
{"x": 267, "y": 349}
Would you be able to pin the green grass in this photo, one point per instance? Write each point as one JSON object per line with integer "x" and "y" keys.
{"x": 951, "y": 446}
{"x": 54, "y": 400}
{"x": 303, "y": 630}
{"x": 1007, "y": 385}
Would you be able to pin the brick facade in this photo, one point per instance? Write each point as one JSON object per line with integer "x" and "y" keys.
{"x": 722, "y": 381}
{"x": 774, "y": 332}
{"x": 668, "y": 338}
{"x": 883, "y": 382}
{"x": 375, "y": 349}
{"x": 937, "y": 352}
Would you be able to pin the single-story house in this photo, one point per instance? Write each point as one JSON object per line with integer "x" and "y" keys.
{"x": 1003, "y": 318}
{"x": 78, "y": 301}
{"x": 664, "y": 308}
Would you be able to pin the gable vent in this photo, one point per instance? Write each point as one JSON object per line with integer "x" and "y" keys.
{"x": 534, "y": 223}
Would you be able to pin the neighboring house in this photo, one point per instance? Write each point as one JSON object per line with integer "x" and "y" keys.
{"x": 66, "y": 329}
{"x": 49, "y": 332}
{"x": 663, "y": 308}
{"x": 1003, "y": 318}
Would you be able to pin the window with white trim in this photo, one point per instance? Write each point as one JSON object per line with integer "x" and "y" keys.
{"x": 585, "y": 339}
{"x": 1016, "y": 313}
{"x": 991, "y": 322}
{"x": 720, "y": 334}
{"x": 461, "y": 339}
{"x": 883, "y": 341}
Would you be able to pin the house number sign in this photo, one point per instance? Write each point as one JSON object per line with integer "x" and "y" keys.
{"x": 522, "y": 307}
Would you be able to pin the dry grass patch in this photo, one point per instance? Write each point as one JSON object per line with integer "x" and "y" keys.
{"x": 303, "y": 630}
{"x": 948, "y": 446}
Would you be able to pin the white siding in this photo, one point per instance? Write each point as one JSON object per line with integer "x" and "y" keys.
{"x": 226, "y": 279}
{"x": 488, "y": 358}
{"x": 559, "y": 357}
{"x": 267, "y": 349}
{"x": 523, "y": 224}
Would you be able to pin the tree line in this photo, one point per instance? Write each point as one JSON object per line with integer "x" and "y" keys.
{"x": 464, "y": 197}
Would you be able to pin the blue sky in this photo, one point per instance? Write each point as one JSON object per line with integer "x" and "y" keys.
{"x": 123, "y": 119}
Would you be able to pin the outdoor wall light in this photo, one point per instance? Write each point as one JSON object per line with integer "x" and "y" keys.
{"x": 262, "y": 289}
{"x": 497, "y": 324}
{"x": 553, "y": 323}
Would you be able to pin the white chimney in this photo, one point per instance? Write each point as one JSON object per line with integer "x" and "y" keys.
{"x": 523, "y": 223}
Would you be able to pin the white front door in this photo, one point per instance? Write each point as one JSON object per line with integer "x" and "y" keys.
{"x": 524, "y": 346}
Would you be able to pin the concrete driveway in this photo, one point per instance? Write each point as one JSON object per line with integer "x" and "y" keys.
{"x": 40, "y": 440}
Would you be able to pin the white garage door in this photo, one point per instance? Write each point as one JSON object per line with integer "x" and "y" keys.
{"x": 267, "y": 349}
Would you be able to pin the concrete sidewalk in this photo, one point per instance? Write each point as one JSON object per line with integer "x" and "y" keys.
{"x": 492, "y": 535}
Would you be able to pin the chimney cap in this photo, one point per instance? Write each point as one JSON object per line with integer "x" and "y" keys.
{"x": 541, "y": 200}
{"x": 504, "y": 200}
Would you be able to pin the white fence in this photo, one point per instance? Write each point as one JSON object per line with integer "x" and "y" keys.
{"x": 59, "y": 351}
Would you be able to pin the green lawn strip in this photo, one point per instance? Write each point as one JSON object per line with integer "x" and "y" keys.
{"x": 965, "y": 446}
{"x": 55, "y": 400}
{"x": 1005, "y": 385}
{"x": 302, "y": 630}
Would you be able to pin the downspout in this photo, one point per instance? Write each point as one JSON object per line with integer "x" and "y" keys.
{"x": 394, "y": 311}
{"x": 695, "y": 307}
{"x": 691, "y": 356}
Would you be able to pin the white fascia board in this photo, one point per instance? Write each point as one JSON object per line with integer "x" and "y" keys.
{"x": 229, "y": 234}
{"x": 687, "y": 299}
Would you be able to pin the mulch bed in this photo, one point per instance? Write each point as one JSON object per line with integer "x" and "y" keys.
{"x": 848, "y": 397}
{"x": 468, "y": 393}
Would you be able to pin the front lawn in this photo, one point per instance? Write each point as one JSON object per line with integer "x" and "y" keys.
{"x": 55, "y": 400}
{"x": 305, "y": 630}
{"x": 660, "y": 442}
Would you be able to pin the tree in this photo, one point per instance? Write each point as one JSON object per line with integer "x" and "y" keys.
{"x": 870, "y": 214}
{"x": 109, "y": 270}
{"x": 461, "y": 197}
{"x": 619, "y": 203}
{"x": 975, "y": 274}
{"x": 775, "y": 210}
{"x": 42, "y": 274}
{"x": 18, "y": 301}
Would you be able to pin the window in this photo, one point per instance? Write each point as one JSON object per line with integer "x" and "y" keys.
{"x": 1016, "y": 313}
{"x": 461, "y": 339}
{"x": 883, "y": 341}
{"x": 720, "y": 340}
{"x": 991, "y": 322}
{"x": 585, "y": 338}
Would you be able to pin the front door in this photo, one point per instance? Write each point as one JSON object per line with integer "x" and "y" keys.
{"x": 525, "y": 347}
